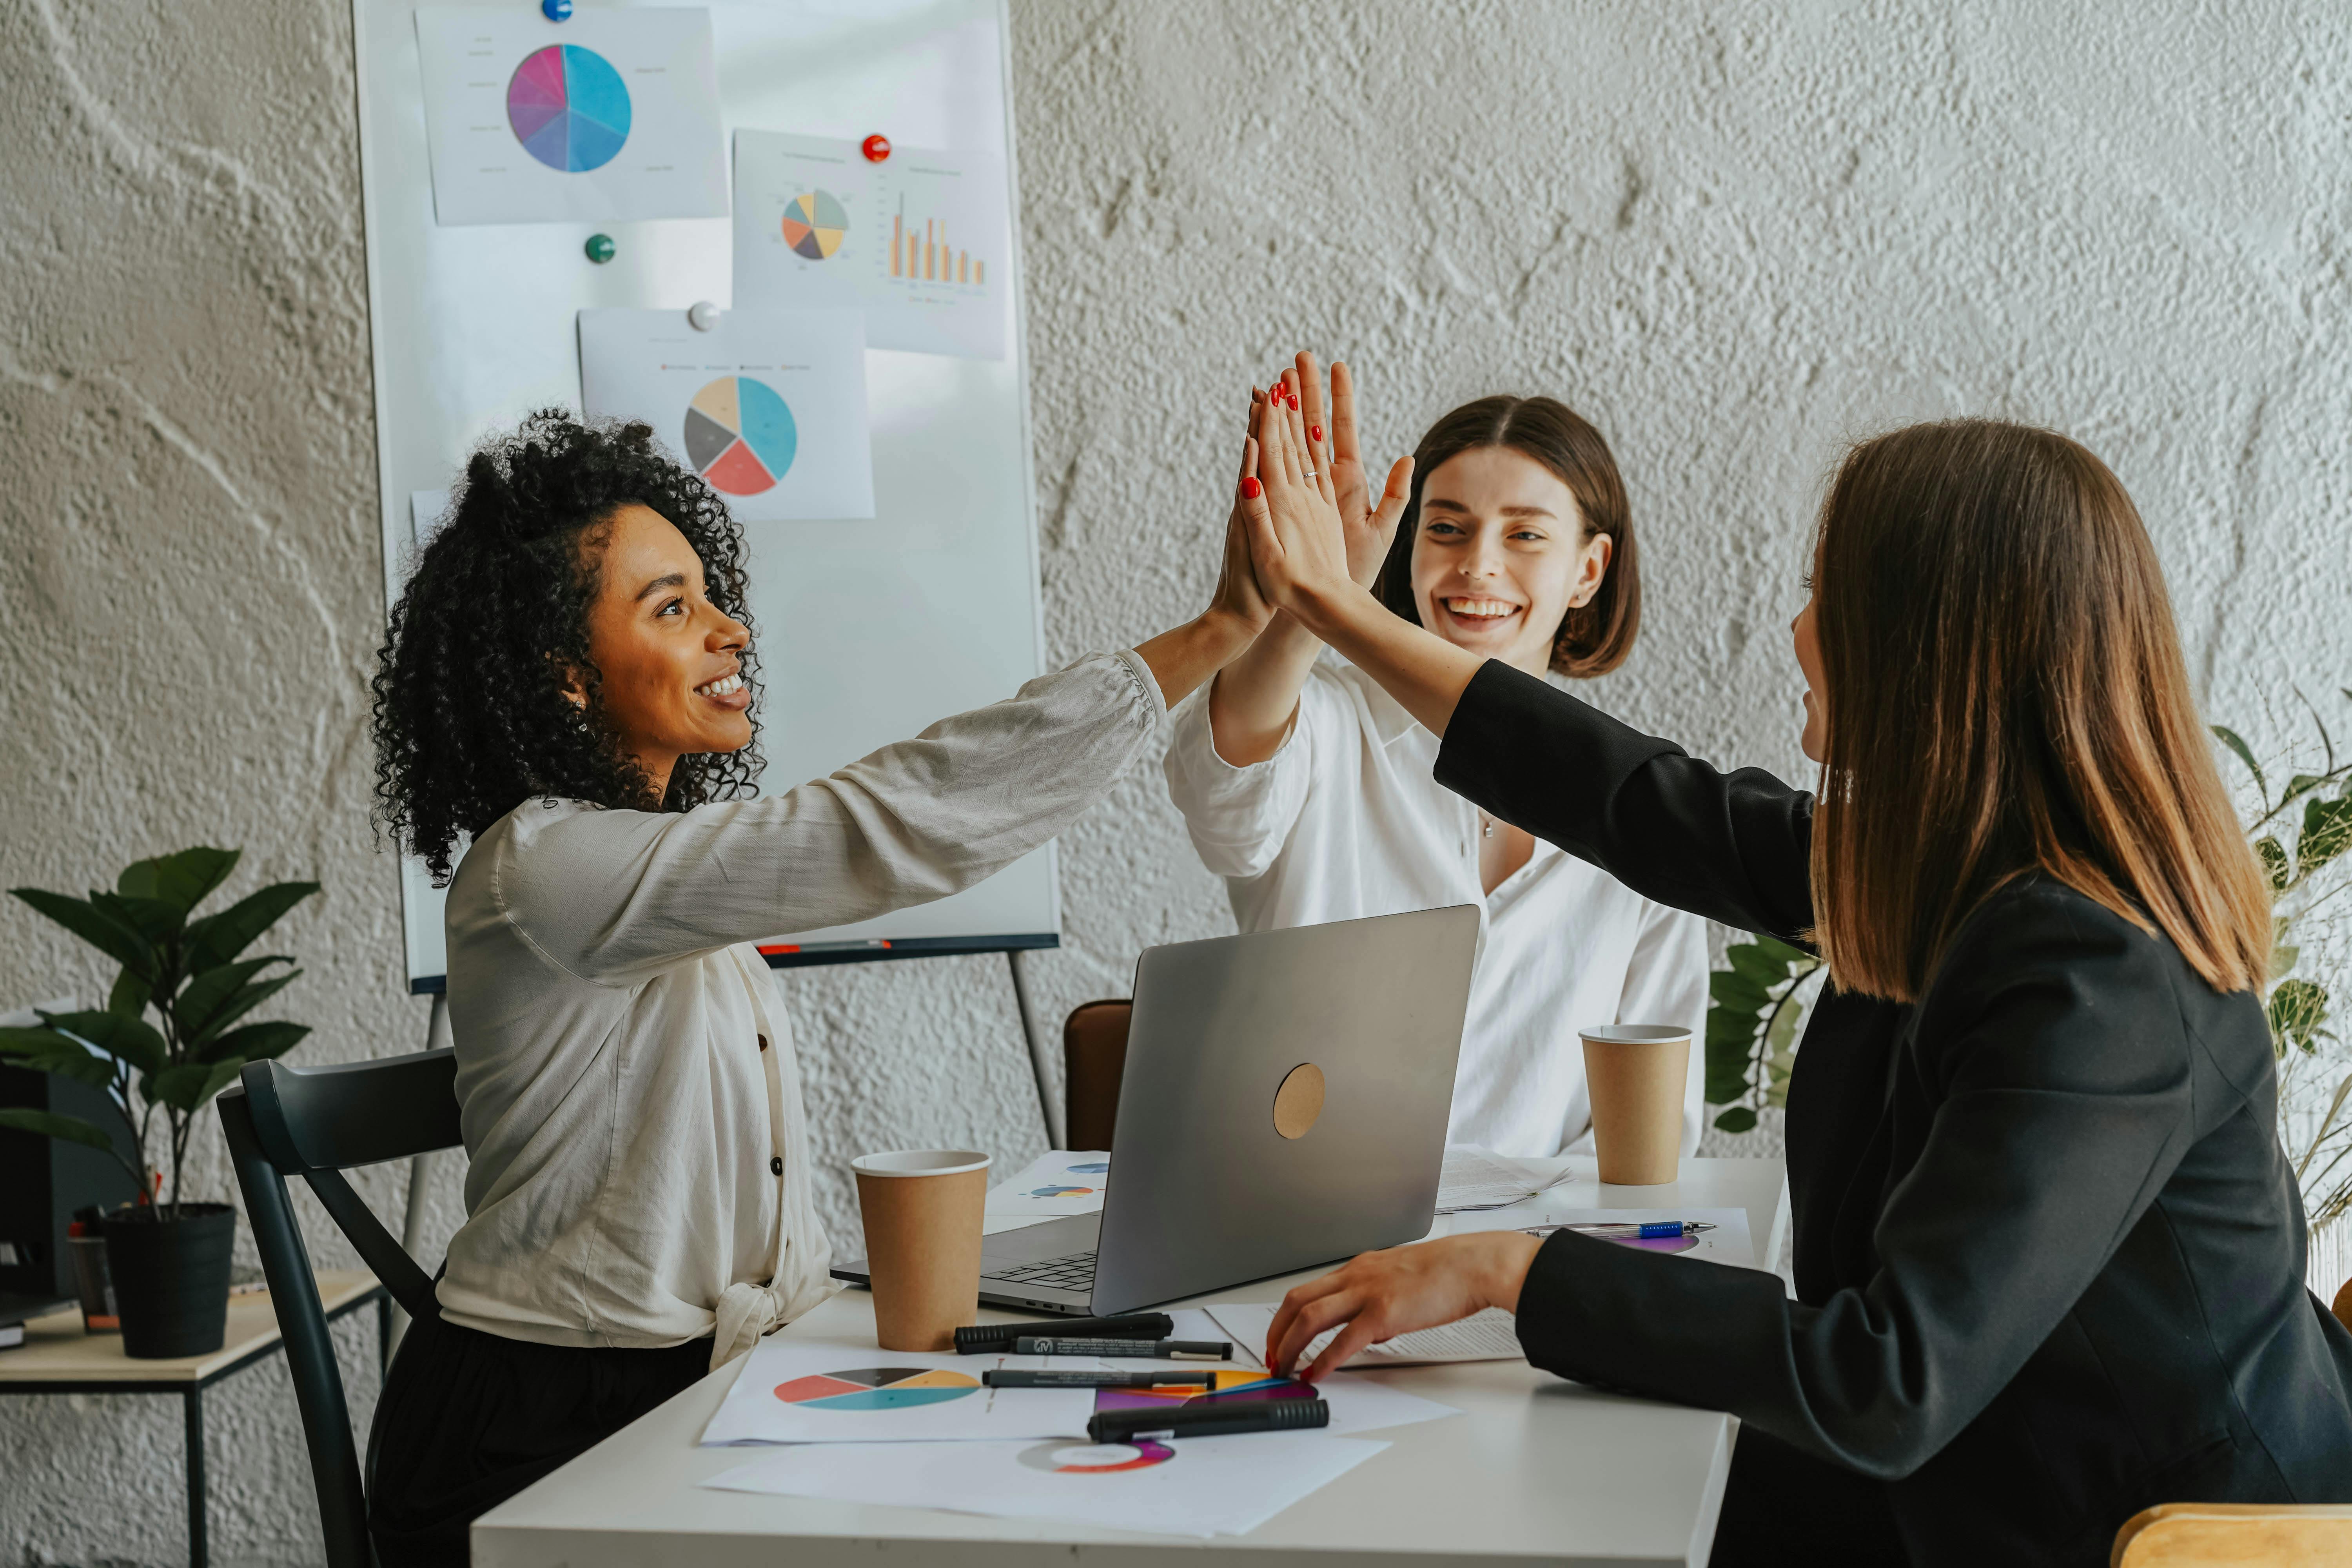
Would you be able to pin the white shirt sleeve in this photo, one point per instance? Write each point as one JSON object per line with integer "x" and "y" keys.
{"x": 1239, "y": 819}
{"x": 614, "y": 896}
{"x": 1665, "y": 982}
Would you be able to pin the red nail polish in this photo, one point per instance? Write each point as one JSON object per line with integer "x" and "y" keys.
{"x": 1251, "y": 487}
{"x": 1315, "y": 432}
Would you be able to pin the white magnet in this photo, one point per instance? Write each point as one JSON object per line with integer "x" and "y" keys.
{"x": 702, "y": 316}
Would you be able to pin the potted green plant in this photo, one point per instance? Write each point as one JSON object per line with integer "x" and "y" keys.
{"x": 2300, "y": 833}
{"x": 168, "y": 1257}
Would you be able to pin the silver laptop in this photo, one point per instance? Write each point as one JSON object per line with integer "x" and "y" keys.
{"x": 1283, "y": 1104}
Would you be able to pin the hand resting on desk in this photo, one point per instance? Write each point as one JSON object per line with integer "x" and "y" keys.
{"x": 1383, "y": 1294}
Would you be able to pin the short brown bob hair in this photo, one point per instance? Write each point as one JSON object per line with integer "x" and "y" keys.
{"x": 2006, "y": 695}
{"x": 1593, "y": 638}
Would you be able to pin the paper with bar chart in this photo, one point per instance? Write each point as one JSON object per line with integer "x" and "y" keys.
{"x": 768, "y": 405}
{"x": 796, "y": 1388}
{"x": 613, "y": 114}
{"x": 917, "y": 241}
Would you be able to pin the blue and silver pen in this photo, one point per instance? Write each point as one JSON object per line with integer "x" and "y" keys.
{"x": 1645, "y": 1230}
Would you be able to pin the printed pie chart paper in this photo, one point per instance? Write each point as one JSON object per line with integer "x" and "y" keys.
{"x": 796, "y": 1388}
{"x": 613, "y": 114}
{"x": 1201, "y": 1488}
{"x": 767, "y": 405}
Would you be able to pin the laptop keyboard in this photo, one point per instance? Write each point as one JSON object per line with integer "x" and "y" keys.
{"x": 1076, "y": 1272}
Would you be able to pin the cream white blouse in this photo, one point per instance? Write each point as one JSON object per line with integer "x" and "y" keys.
{"x": 1346, "y": 820}
{"x": 626, "y": 1081}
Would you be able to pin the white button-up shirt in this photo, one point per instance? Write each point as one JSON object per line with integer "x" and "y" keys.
{"x": 1345, "y": 820}
{"x": 627, "y": 1082}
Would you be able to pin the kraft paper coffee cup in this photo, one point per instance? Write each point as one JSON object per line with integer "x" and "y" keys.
{"x": 922, "y": 1213}
{"x": 1636, "y": 1074}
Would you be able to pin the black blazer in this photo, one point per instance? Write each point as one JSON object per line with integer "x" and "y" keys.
{"x": 2049, "y": 1256}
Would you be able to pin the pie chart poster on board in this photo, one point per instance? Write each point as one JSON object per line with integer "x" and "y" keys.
{"x": 613, "y": 114}
{"x": 768, "y": 405}
{"x": 918, "y": 240}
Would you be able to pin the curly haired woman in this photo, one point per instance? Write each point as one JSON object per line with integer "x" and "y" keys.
{"x": 567, "y": 681}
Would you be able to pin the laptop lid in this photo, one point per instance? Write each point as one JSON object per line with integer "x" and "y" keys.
{"x": 1283, "y": 1103}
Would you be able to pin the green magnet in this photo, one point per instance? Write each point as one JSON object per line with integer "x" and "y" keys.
{"x": 599, "y": 248}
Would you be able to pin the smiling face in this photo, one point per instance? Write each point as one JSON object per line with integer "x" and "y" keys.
{"x": 669, "y": 660}
{"x": 1500, "y": 556}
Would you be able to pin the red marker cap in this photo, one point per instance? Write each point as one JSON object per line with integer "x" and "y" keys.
{"x": 876, "y": 148}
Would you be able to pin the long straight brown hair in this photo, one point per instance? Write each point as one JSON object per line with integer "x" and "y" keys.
{"x": 2006, "y": 694}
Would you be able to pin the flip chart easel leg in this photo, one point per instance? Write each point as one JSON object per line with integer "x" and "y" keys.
{"x": 412, "y": 1225}
{"x": 1056, "y": 1135}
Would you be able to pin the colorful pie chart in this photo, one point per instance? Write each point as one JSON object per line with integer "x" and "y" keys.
{"x": 569, "y": 108}
{"x": 1055, "y": 1192}
{"x": 815, "y": 224}
{"x": 1096, "y": 1458}
{"x": 739, "y": 435}
{"x": 876, "y": 1388}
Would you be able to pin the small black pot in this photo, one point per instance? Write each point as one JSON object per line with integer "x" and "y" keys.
{"x": 171, "y": 1278}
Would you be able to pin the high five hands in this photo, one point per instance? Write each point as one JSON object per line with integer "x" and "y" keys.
{"x": 1306, "y": 501}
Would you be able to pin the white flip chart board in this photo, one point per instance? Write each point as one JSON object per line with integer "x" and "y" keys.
{"x": 867, "y": 632}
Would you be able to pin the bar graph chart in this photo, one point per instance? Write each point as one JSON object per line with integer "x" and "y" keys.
{"x": 925, "y": 256}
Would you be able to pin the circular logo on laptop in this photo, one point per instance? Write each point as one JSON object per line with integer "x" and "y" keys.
{"x": 1299, "y": 1101}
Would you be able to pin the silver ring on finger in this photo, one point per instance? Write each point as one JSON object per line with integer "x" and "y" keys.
{"x": 1308, "y": 472}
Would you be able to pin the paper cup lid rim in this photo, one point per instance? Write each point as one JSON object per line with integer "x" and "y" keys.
{"x": 1635, "y": 1034}
{"x": 962, "y": 1159}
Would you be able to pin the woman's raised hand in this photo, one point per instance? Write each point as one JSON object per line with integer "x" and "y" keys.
{"x": 1298, "y": 544}
{"x": 1369, "y": 525}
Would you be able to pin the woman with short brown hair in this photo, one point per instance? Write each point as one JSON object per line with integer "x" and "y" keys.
{"x": 1309, "y": 791}
{"x": 2049, "y": 1256}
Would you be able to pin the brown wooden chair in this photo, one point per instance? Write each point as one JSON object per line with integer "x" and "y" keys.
{"x": 2227, "y": 1534}
{"x": 1093, "y": 1055}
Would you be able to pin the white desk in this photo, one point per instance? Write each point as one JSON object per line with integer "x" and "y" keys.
{"x": 1535, "y": 1469}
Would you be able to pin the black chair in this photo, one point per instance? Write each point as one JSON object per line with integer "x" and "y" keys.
{"x": 318, "y": 1122}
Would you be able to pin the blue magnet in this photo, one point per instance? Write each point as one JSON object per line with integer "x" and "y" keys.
{"x": 555, "y": 10}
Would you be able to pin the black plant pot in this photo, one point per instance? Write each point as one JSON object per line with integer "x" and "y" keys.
{"x": 171, "y": 1278}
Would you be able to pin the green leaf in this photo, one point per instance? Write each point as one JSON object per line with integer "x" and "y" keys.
{"x": 2302, "y": 784}
{"x": 46, "y": 1050}
{"x": 2246, "y": 755}
{"x": 114, "y": 938}
{"x": 1794, "y": 957}
{"x": 1747, "y": 959}
{"x": 2297, "y": 1009}
{"x": 152, "y": 919}
{"x": 255, "y": 1042}
{"x": 182, "y": 880}
{"x": 133, "y": 1040}
{"x": 1738, "y": 1119}
{"x": 2326, "y": 834}
{"x": 49, "y": 1124}
{"x": 2272, "y": 855}
{"x": 185, "y": 1088}
{"x": 1736, "y": 992}
{"x": 217, "y": 939}
{"x": 129, "y": 996}
{"x": 210, "y": 991}
{"x": 2284, "y": 960}
{"x": 246, "y": 1000}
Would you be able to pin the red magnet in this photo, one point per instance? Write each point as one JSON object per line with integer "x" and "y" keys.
{"x": 876, "y": 148}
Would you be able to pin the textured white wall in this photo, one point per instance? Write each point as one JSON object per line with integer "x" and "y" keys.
{"x": 1734, "y": 236}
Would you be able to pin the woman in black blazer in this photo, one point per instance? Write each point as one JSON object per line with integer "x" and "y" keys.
{"x": 2049, "y": 1256}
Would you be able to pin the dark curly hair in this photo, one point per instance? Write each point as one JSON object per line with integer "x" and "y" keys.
{"x": 471, "y": 719}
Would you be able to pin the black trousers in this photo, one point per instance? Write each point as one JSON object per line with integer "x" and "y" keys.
{"x": 468, "y": 1419}
{"x": 1782, "y": 1508}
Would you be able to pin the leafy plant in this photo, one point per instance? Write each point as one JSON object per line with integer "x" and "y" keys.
{"x": 190, "y": 974}
{"x": 2302, "y": 836}
{"x": 1752, "y": 1014}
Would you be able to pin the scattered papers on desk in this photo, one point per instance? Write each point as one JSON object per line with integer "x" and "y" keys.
{"x": 1062, "y": 1182}
{"x": 1476, "y": 1178}
{"x": 1728, "y": 1242}
{"x": 1490, "y": 1335}
{"x": 798, "y": 1388}
{"x": 1202, "y": 1488}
